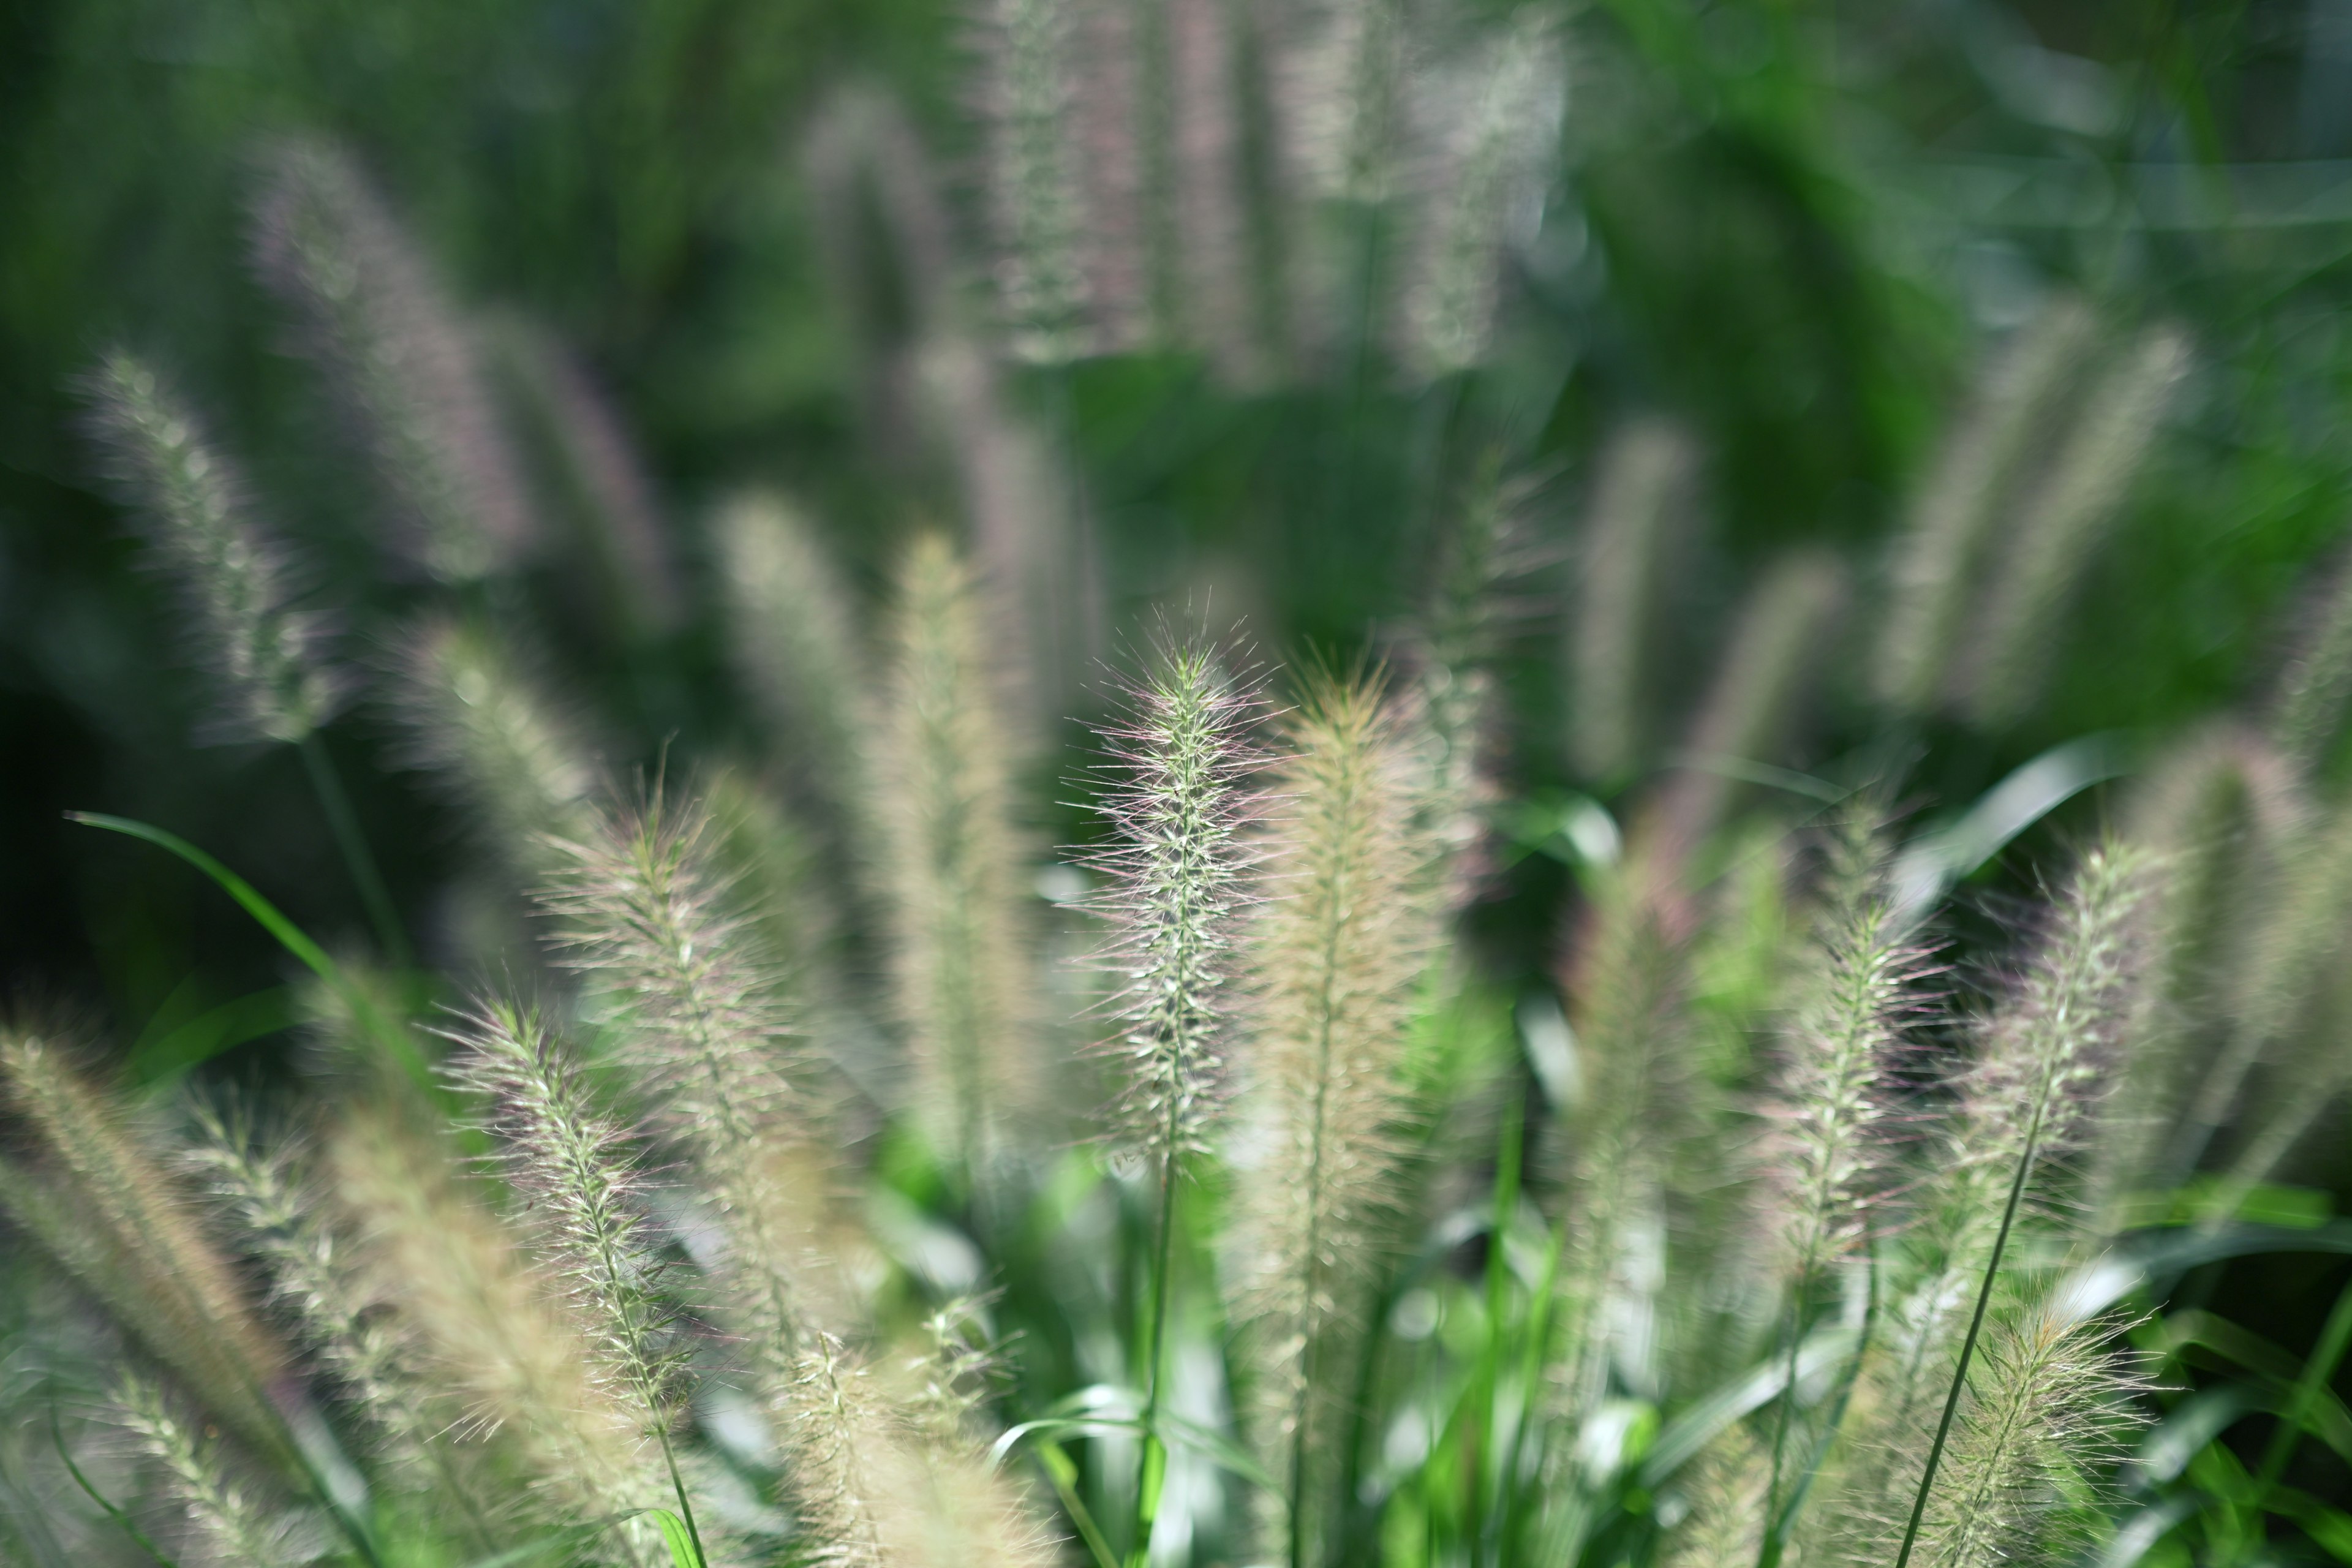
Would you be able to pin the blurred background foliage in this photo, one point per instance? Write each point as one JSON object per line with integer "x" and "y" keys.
{"x": 1792, "y": 228}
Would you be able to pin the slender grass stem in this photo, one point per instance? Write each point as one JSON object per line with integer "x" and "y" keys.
{"x": 1151, "y": 1466}
{"x": 337, "y": 805}
{"x": 1490, "y": 1354}
{"x": 1968, "y": 1345}
{"x": 684, "y": 1503}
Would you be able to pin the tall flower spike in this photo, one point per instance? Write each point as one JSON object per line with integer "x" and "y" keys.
{"x": 1033, "y": 174}
{"x": 648, "y": 918}
{"x": 225, "y": 1519}
{"x": 1832, "y": 1086}
{"x": 2046, "y": 1411}
{"x": 401, "y": 358}
{"x": 879, "y": 1485}
{"x": 2063, "y": 522}
{"x": 1777, "y": 648}
{"x": 512, "y": 1362}
{"x": 589, "y": 468}
{"x": 1489, "y": 192}
{"x": 950, "y": 871}
{"x": 314, "y": 1274}
{"x": 1334, "y": 959}
{"x": 798, "y": 655}
{"x": 2306, "y": 706}
{"x": 236, "y": 585}
{"x": 1956, "y": 511}
{"x": 1629, "y": 537}
{"x": 127, "y": 1230}
{"x": 1179, "y": 799}
{"x": 481, "y": 722}
{"x": 575, "y": 1169}
{"x": 2018, "y": 1107}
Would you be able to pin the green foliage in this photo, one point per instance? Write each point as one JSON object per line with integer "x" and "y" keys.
{"x": 1684, "y": 1056}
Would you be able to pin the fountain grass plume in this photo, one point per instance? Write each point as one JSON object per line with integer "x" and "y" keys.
{"x": 2045, "y": 1413}
{"x": 315, "y": 1275}
{"x": 798, "y": 656}
{"x": 1335, "y": 956}
{"x": 577, "y": 1173}
{"x": 1629, "y": 534}
{"x": 1180, "y": 771}
{"x": 648, "y": 916}
{"x": 126, "y": 1228}
{"x": 2306, "y": 701}
{"x": 880, "y": 1482}
{"x": 236, "y": 582}
{"x": 949, "y": 872}
{"x": 228, "y": 1523}
{"x": 1730, "y": 1506}
{"x": 479, "y": 721}
{"x": 2061, "y": 523}
{"x": 401, "y": 360}
{"x": 492, "y": 1332}
{"x": 1956, "y": 513}
{"x": 587, "y": 465}
{"x": 1831, "y": 1097}
{"x": 1779, "y": 644}
{"x": 1032, "y": 173}
{"x": 1488, "y": 192}
{"x": 1638, "y": 1100}
{"x": 2018, "y": 1110}
{"x": 2293, "y": 953}
{"x": 1831, "y": 1091}
{"x": 2220, "y": 814}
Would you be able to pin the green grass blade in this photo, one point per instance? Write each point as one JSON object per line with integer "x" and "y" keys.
{"x": 289, "y": 936}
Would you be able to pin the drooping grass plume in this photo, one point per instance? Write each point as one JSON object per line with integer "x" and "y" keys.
{"x": 1346, "y": 102}
{"x": 2293, "y": 955}
{"x": 648, "y": 916}
{"x": 1781, "y": 640}
{"x": 1832, "y": 1090}
{"x": 2306, "y": 706}
{"x": 314, "y": 1274}
{"x": 1487, "y": 191}
{"x": 1464, "y": 628}
{"x": 2018, "y": 1107}
{"x": 588, "y": 467}
{"x": 1730, "y": 1505}
{"x": 951, "y": 869}
{"x": 2061, "y": 524}
{"x": 880, "y": 1482}
{"x": 1639, "y": 1096}
{"x": 2040, "y": 1426}
{"x": 127, "y": 1230}
{"x": 236, "y": 582}
{"x": 1956, "y": 512}
{"x": 481, "y": 724}
{"x": 1033, "y": 176}
{"x": 226, "y": 1523}
{"x": 2220, "y": 815}
{"x": 513, "y": 1365}
{"x": 401, "y": 360}
{"x": 798, "y": 653}
{"x": 571, "y": 1165}
{"x": 1031, "y": 543}
{"x": 1335, "y": 954}
{"x": 1630, "y": 532}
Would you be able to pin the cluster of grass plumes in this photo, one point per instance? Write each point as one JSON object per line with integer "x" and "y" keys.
{"x": 832, "y": 1170}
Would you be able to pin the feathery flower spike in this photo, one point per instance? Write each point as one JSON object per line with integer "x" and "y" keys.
{"x": 1335, "y": 956}
{"x": 234, "y": 579}
{"x": 401, "y": 358}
